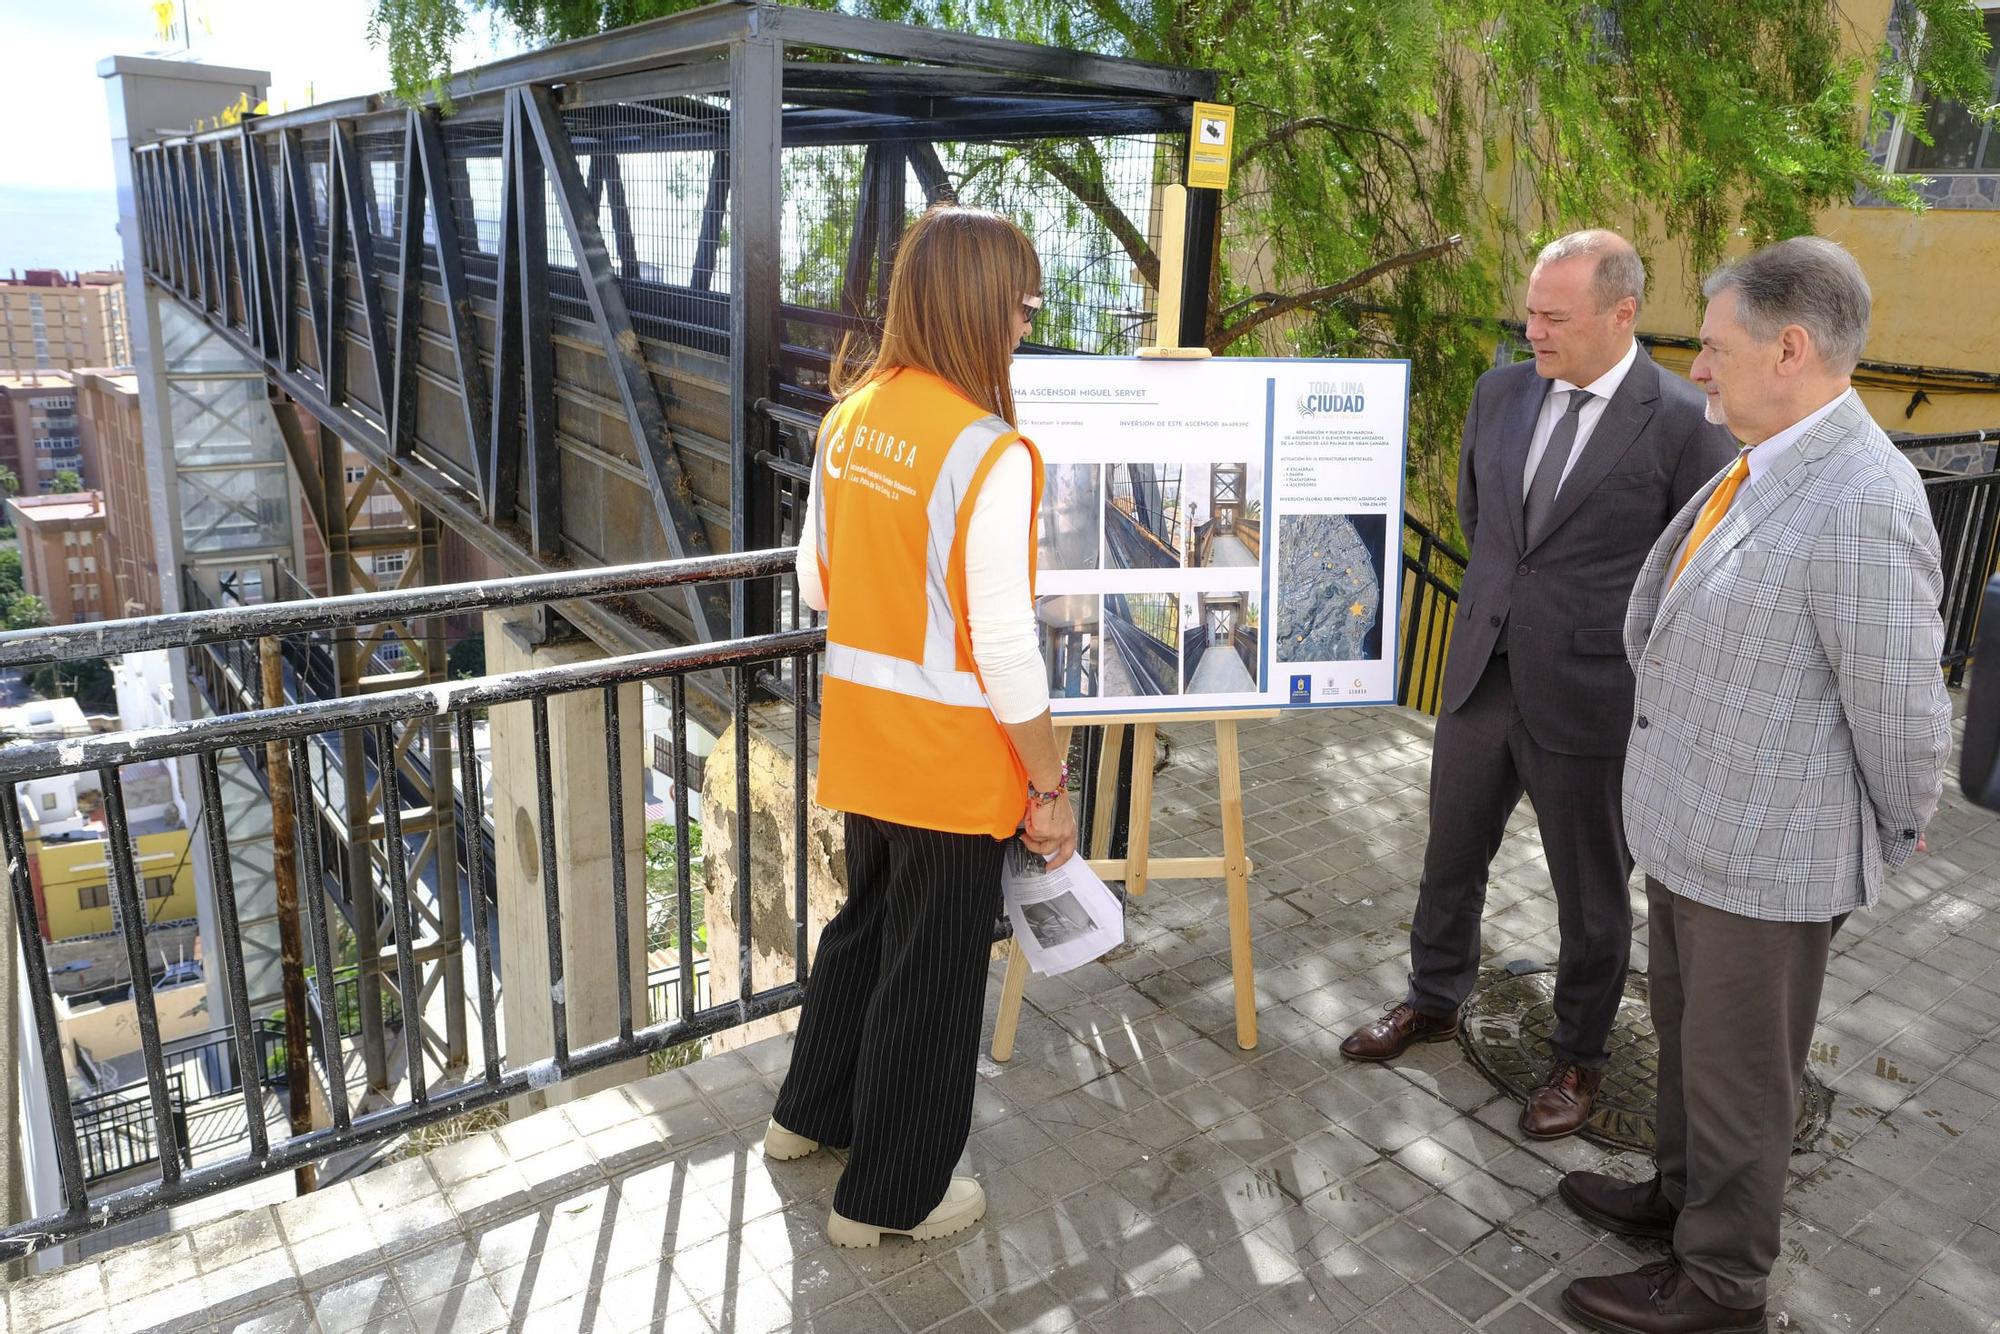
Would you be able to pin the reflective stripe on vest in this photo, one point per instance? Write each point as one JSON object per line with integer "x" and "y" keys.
{"x": 882, "y": 672}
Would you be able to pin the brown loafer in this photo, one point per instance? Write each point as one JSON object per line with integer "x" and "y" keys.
{"x": 1629, "y": 1208}
{"x": 1562, "y": 1104}
{"x": 1388, "y": 1037}
{"x": 1658, "y": 1299}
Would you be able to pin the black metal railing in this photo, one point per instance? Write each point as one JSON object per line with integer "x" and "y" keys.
{"x": 1966, "y": 512}
{"x": 494, "y": 1078}
{"x": 664, "y": 991}
{"x": 117, "y": 1131}
{"x": 1432, "y": 570}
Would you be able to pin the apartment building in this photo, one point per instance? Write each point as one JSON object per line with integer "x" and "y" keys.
{"x": 38, "y": 431}
{"x": 64, "y": 561}
{"x": 50, "y": 320}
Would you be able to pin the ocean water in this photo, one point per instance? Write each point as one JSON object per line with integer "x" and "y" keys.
{"x": 58, "y": 229}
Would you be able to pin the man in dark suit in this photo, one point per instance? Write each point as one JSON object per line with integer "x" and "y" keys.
{"x": 1570, "y": 467}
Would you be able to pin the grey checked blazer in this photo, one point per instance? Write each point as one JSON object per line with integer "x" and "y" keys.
{"x": 1791, "y": 724}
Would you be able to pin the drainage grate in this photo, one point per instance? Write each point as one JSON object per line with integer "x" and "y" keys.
{"x": 1506, "y": 1033}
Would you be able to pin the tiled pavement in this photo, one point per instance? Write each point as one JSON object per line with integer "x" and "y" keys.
{"x": 1144, "y": 1174}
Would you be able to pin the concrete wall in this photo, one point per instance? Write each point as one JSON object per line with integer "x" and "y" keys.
{"x": 583, "y": 842}
{"x": 111, "y": 1031}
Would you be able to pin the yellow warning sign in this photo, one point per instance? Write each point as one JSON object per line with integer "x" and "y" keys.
{"x": 1209, "y": 142}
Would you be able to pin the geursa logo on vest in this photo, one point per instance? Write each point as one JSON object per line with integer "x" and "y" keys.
{"x": 1325, "y": 396}
{"x": 888, "y": 448}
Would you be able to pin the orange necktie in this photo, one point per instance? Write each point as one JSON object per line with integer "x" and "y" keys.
{"x": 1712, "y": 512}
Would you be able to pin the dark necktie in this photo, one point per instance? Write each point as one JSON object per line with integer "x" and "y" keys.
{"x": 1549, "y": 472}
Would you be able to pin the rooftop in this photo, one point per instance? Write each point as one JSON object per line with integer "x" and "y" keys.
{"x": 1143, "y": 1173}
{"x": 51, "y": 381}
{"x": 56, "y": 510}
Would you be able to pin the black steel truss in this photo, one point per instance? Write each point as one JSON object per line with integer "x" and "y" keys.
{"x": 372, "y": 312}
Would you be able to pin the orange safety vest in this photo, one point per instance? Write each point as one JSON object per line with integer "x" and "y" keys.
{"x": 906, "y": 734}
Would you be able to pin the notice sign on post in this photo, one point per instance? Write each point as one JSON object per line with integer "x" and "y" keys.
{"x": 1217, "y": 535}
{"x": 1210, "y": 140}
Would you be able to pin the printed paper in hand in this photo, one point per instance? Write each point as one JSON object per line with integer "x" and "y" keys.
{"x": 1062, "y": 918}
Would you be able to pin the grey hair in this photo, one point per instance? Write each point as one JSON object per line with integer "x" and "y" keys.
{"x": 1620, "y": 272}
{"x": 1808, "y": 281}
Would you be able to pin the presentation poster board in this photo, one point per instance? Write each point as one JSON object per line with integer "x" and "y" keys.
{"x": 1217, "y": 534}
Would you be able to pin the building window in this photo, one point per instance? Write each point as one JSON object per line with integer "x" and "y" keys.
{"x": 153, "y": 888}
{"x": 1961, "y": 143}
{"x": 355, "y": 475}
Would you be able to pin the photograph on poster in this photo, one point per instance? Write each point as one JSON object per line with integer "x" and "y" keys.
{"x": 1142, "y": 516}
{"x": 1071, "y": 502}
{"x": 1224, "y": 506}
{"x": 1068, "y": 630}
{"x": 1141, "y": 638}
{"x": 1329, "y": 581}
{"x": 1221, "y": 647}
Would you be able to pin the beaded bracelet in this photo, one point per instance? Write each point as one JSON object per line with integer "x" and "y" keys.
{"x": 1040, "y": 797}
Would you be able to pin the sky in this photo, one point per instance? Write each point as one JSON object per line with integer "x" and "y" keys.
{"x": 57, "y": 208}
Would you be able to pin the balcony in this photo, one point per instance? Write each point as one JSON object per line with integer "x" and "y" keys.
{"x": 1144, "y": 1173}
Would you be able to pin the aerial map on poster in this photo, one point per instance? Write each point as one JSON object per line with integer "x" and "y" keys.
{"x": 1215, "y": 534}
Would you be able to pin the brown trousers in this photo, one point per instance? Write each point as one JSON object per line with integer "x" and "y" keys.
{"x": 1734, "y": 1003}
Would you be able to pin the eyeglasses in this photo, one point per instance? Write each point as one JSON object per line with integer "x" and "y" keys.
{"x": 1029, "y": 306}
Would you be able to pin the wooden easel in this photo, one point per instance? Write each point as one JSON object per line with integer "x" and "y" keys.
{"x": 1139, "y": 866}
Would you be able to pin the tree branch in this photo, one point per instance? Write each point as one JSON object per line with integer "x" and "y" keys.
{"x": 1289, "y": 130}
{"x": 1091, "y": 194}
{"x": 1276, "y": 304}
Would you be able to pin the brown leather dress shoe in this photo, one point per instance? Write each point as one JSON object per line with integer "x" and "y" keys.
{"x": 1388, "y": 1037}
{"x": 1629, "y": 1208}
{"x": 1658, "y": 1299}
{"x": 1562, "y": 1104}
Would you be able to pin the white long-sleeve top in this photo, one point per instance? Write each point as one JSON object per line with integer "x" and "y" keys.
{"x": 999, "y": 611}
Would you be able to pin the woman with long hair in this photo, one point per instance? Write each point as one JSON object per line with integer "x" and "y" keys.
{"x": 935, "y": 737}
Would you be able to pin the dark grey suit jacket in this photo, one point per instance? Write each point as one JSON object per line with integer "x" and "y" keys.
{"x": 1563, "y": 600}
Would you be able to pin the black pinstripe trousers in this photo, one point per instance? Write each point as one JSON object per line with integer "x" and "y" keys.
{"x": 888, "y": 1044}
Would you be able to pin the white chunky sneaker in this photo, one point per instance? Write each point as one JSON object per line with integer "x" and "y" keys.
{"x": 783, "y": 1145}
{"x": 964, "y": 1204}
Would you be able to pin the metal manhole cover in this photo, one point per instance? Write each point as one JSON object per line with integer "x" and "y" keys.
{"x": 1506, "y": 1033}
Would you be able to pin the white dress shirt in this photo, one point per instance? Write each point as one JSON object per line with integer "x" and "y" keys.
{"x": 1556, "y": 402}
{"x": 999, "y": 612}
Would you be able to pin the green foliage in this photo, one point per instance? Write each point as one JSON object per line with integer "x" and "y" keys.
{"x": 1398, "y": 161}
{"x": 466, "y": 658}
{"x": 86, "y": 680}
{"x": 65, "y": 483}
{"x": 10, "y": 572}
{"x": 10, "y": 482}
{"x": 21, "y": 611}
{"x": 663, "y": 930}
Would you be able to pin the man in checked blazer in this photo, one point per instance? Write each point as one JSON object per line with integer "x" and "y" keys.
{"x": 1789, "y": 741}
{"x": 1571, "y": 466}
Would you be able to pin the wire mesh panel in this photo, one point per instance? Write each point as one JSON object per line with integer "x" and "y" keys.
{"x": 319, "y": 162}
{"x": 381, "y": 155}
{"x": 1091, "y": 206}
{"x": 472, "y": 154}
{"x": 656, "y": 177}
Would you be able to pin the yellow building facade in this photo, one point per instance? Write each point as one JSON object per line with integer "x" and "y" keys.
{"x": 75, "y": 883}
{"x": 1936, "y": 274}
